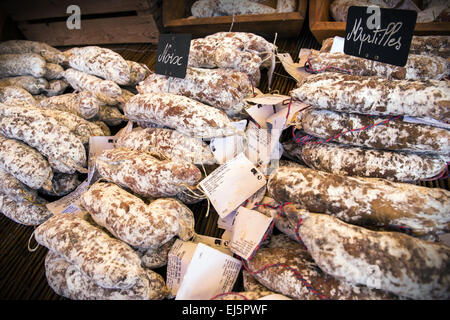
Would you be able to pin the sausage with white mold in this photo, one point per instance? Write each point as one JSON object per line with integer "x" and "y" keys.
{"x": 25, "y": 163}
{"x": 417, "y": 67}
{"x": 83, "y": 104}
{"x": 302, "y": 268}
{"x": 27, "y": 212}
{"x": 239, "y": 7}
{"x": 109, "y": 262}
{"x": 363, "y": 201}
{"x": 170, "y": 143}
{"x": 67, "y": 280}
{"x": 375, "y": 95}
{"x": 106, "y": 91}
{"x": 133, "y": 221}
{"x": 65, "y": 152}
{"x": 357, "y": 161}
{"x": 33, "y": 85}
{"x": 146, "y": 175}
{"x": 389, "y": 261}
{"x": 183, "y": 114}
{"x": 50, "y": 54}
{"x": 100, "y": 62}
{"x": 12, "y": 187}
{"x": 394, "y": 135}
{"x": 11, "y": 93}
{"x": 22, "y": 64}
{"x": 221, "y": 88}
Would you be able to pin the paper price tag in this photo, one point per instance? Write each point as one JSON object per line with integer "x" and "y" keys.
{"x": 338, "y": 45}
{"x": 258, "y": 144}
{"x": 268, "y": 99}
{"x": 227, "y": 222}
{"x": 70, "y": 203}
{"x": 266, "y": 106}
{"x": 260, "y": 113}
{"x": 231, "y": 184}
{"x": 209, "y": 273}
{"x": 248, "y": 230}
{"x": 178, "y": 260}
{"x": 227, "y": 236}
{"x": 296, "y": 70}
{"x": 227, "y": 148}
{"x": 97, "y": 145}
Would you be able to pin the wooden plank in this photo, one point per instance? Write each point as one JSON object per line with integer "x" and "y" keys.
{"x": 135, "y": 29}
{"x": 285, "y": 24}
{"x": 21, "y": 10}
{"x": 323, "y": 27}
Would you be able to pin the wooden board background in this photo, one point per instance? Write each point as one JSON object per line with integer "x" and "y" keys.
{"x": 102, "y": 21}
{"x": 176, "y": 12}
{"x": 322, "y": 25}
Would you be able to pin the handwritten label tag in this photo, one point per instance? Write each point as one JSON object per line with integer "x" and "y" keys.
{"x": 379, "y": 34}
{"x": 232, "y": 183}
{"x": 172, "y": 54}
{"x": 70, "y": 203}
{"x": 248, "y": 230}
{"x": 209, "y": 273}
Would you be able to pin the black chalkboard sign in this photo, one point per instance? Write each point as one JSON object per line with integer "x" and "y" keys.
{"x": 172, "y": 54}
{"x": 377, "y": 34}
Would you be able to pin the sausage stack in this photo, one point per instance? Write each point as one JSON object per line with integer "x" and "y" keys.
{"x": 350, "y": 209}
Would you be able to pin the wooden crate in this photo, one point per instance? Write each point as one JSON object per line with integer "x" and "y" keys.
{"x": 176, "y": 12}
{"x": 102, "y": 21}
{"x": 322, "y": 26}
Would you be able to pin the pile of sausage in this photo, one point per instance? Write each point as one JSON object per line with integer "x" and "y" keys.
{"x": 349, "y": 224}
{"x": 44, "y": 145}
{"x": 351, "y": 200}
